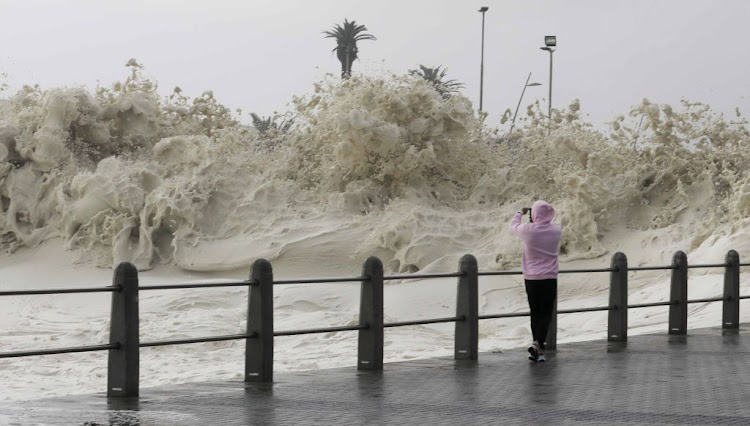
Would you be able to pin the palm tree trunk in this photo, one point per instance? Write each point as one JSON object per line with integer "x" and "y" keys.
{"x": 348, "y": 64}
{"x": 346, "y": 71}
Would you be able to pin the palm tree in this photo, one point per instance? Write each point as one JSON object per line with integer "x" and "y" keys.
{"x": 435, "y": 77}
{"x": 262, "y": 124}
{"x": 346, "y": 43}
{"x": 268, "y": 124}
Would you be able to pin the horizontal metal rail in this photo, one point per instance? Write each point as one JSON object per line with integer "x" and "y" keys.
{"x": 245, "y": 283}
{"x": 651, "y": 305}
{"x": 651, "y": 268}
{"x": 60, "y": 350}
{"x": 576, "y": 271}
{"x": 357, "y": 279}
{"x": 710, "y": 299}
{"x": 489, "y": 273}
{"x": 496, "y": 273}
{"x": 195, "y": 285}
{"x": 562, "y": 271}
{"x": 320, "y": 330}
{"x": 575, "y": 311}
{"x": 511, "y": 315}
{"x": 319, "y": 280}
{"x": 59, "y": 291}
{"x": 708, "y": 265}
{"x": 422, "y": 322}
{"x": 198, "y": 340}
{"x": 422, "y": 276}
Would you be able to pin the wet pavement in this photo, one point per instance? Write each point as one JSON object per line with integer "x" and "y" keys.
{"x": 702, "y": 378}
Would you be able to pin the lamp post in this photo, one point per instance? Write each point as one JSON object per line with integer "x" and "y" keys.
{"x": 513, "y": 123}
{"x": 550, "y": 43}
{"x": 483, "y": 9}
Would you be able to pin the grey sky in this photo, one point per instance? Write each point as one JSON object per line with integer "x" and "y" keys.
{"x": 256, "y": 54}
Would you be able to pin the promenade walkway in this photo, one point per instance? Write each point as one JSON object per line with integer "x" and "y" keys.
{"x": 702, "y": 378}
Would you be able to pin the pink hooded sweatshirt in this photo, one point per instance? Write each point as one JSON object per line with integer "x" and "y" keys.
{"x": 541, "y": 240}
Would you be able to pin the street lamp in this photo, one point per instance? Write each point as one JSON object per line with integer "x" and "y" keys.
{"x": 550, "y": 43}
{"x": 513, "y": 123}
{"x": 483, "y": 9}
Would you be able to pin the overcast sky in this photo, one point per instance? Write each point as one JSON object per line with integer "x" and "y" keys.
{"x": 256, "y": 54}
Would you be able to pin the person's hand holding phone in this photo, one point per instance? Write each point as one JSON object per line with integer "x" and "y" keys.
{"x": 527, "y": 210}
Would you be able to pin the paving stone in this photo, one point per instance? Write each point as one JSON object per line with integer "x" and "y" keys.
{"x": 701, "y": 379}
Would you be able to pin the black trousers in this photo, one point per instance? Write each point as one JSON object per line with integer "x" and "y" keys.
{"x": 542, "y": 295}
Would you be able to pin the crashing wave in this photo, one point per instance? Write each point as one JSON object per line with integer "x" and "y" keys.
{"x": 372, "y": 165}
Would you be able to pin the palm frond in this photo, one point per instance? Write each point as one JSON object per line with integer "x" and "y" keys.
{"x": 436, "y": 77}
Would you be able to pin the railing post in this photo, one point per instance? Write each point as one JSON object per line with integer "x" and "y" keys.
{"x": 731, "y": 311}
{"x": 123, "y": 370}
{"x": 259, "y": 349}
{"x": 467, "y": 306}
{"x": 678, "y": 310}
{"x": 550, "y": 342}
{"x": 617, "y": 325}
{"x": 370, "y": 346}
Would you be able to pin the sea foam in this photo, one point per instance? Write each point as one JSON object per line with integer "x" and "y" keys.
{"x": 122, "y": 174}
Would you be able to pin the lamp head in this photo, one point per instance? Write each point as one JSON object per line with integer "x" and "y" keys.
{"x": 484, "y": 9}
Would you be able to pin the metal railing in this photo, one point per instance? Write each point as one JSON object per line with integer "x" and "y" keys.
{"x": 124, "y": 340}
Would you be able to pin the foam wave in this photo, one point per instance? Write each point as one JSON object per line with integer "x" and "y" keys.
{"x": 372, "y": 165}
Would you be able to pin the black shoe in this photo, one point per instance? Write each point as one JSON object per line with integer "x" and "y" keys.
{"x": 534, "y": 352}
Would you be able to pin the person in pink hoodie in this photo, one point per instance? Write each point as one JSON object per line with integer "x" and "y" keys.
{"x": 541, "y": 240}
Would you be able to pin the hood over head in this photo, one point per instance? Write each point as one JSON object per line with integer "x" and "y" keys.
{"x": 542, "y": 212}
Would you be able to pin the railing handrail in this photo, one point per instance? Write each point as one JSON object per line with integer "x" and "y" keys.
{"x": 319, "y": 280}
{"x": 708, "y": 265}
{"x": 55, "y": 351}
{"x": 651, "y": 268}
{"x": 35, "y": 292}
{"x": 244, "y": 283}
{"x": 424, "y": 321}
{"x": 198, "y": 340}
{"x": 125, "y": 290}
